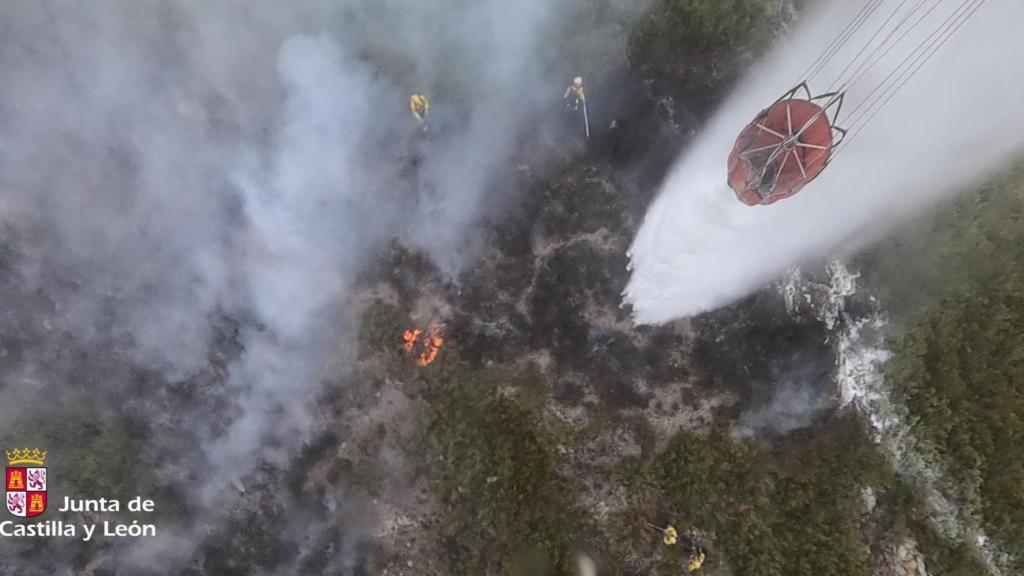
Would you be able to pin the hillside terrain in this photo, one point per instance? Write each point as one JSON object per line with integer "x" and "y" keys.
{"x": 542, "y": 423}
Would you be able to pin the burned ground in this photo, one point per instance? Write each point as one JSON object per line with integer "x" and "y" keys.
{"x": 549, "y": 423}
{"x": 546, "y": 393}
{"x": 507, "y": 453}
{"x": 755, "y": 346}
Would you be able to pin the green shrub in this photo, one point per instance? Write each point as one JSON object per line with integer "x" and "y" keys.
{"x": 684, "y": 38}
{"x": 91, "y": 454}
{"x": 506, "y": 509}
{"x": 960, "y": 371}
{"x": 793, "y": 515}
{"x": 380, "y": 328}
{"x": 954, "y": 282}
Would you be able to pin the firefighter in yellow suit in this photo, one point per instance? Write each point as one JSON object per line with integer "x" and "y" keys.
{"x": 420, "y": 106}
{"x": 696, "y": 560}
{"x": 576, "y": 91}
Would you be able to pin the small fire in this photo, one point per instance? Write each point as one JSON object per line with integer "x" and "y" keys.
{"x": 409, "y": 338}
{"x": 429, "y": 346}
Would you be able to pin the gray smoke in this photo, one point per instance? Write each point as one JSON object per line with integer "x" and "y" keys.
{"x": 793, "y": 406}
{"x": 164, "y": 165}
{"x": 953, "y": 123}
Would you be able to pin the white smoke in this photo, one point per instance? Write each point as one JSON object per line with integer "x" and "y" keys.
{"x": 794, "y": 405}
{"x": 171, "y": 163}
{"x": 700, "y": 248}
{"x": 183, "y": 160}
{"x": 308, "y": 228}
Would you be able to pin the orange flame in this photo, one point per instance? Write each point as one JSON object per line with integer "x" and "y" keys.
{"x": 409, "y": 338}
{"x": 430, "y": 345}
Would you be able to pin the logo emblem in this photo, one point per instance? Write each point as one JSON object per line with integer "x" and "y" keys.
{"x": 26, "y": 482}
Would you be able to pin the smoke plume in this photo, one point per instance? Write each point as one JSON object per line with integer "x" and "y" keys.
{"x": 167, "y": 165}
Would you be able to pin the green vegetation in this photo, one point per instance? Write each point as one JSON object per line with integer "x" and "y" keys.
{"x": 946, "y": 558}
{"x": 959, "y": 356}
{"x": 686, "y": 39}
{"x": 792, "y": 510}
{"x": 905, "y": 511}
{"x": 791, "y": 513}
{"x": 506, "y": 508}
{"x": 961, "y": 373}
{"x": 105, "y": 461}
{"x": 966, "y": 247}
{"x": 380, "y": 328}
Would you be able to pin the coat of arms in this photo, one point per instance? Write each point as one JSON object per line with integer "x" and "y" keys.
{"x": 26, "y": 482}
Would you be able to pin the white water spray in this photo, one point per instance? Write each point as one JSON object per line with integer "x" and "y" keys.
{"x": 956, "y": 120}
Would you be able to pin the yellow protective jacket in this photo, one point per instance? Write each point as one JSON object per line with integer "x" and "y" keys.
{"x": 420, "y": 106}
{"x": 669, "y": 536}
{"x": 696, "y": 561}
{"x": 576, "y": 91}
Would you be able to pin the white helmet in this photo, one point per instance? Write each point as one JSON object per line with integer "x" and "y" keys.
{"x": 577, "y": 81}
{"x": 585, "y": 566}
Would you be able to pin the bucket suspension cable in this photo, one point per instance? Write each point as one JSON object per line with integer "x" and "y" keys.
{"x": 872, "y": 52}
{"x": 908, "y": 73}
{"x": 889, "y": 49}
{"x": 840, "y": 40}
{"x": 866, "y": 45}
{"x": 944, "y": 30}
{"x": 789, "y": 143}
{"x": 886, "y": 45}
{"x": 882, "y": 92}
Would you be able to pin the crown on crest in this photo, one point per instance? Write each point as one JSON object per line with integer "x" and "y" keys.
{"x": 25, "y": 456}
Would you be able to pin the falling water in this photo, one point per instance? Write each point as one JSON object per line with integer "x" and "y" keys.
{"x": 955, "y": 121}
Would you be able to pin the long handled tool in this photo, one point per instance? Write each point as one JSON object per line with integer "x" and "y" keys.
{"x": 586, "y": 120}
